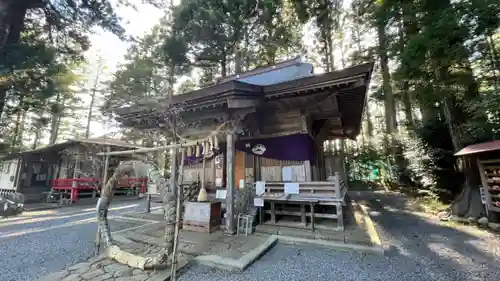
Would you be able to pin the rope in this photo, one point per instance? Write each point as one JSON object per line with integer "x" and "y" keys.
{"x": 212, "y": 134}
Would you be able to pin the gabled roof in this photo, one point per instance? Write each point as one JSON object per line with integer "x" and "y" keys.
{"x": 218, "y": 94}
{"x": 479, "y": 148}
{"x": 349, "y": 86}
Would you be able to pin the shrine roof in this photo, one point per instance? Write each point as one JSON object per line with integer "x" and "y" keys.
{"x": 490, "y": 146}
{"x": 284, "y": 80}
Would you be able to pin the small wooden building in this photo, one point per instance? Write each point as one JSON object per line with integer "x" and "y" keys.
{"x": 487, "y": 157}
{"x": 278, "y": 119}
{"x": 34, "y": 172}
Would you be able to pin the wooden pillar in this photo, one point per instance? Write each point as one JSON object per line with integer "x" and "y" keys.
{"x": 230, "y": 153}
{"x": 105, "y": 169}
{"x": 214, "y": 172}
{"x": 74, "y": 183}
{"x": 203, "y": 167}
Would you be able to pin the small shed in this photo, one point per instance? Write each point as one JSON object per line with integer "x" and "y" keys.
{"x": 488, "y": 161}
{"x": 33, "y": 172}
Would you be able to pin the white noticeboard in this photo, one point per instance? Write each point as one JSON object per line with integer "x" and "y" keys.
{"x": 258, "y": 202}
{"x": 220, "y": 194}
{"x": 286, "y": 173}
{"x": 291, "y": 188}
{"x": 197, "y": 212}
{"x": 260, "y": 188}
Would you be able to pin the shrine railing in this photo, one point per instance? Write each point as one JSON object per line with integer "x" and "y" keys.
{"x": 95, "y": 183}
{"x": 80, "y": 183}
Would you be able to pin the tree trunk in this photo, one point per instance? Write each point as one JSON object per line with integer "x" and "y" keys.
{"x": 390, "y": 107}
{"x": 369, "y": 123}
{"x": 494, "y": 61}
{"x": 223, "y": 67}
{"x": 12, "y": 14}
{"x": 89, "y": 115}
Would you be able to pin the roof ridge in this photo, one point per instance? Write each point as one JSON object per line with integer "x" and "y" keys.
{"x": 260, "y": 70}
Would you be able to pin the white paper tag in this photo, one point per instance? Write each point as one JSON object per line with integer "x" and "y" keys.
{"x": 260, "y": 188}
{"x": 258, "y": 202}
{"x": 242, "y": 183}
{"x": 220, "y": 194}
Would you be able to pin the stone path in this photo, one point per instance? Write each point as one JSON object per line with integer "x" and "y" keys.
{"x": 36, "y": 243}
{"x": 147, "y": 241}
{"x": 101, "y": 268}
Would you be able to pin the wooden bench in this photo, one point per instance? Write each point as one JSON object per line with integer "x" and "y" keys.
{"x": 324, "y": 193}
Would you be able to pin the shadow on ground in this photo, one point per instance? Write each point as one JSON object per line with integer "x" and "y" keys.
{"x": 428, "y": 242}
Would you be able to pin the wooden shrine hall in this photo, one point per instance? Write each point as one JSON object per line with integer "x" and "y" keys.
{"x": 278, "y": 118}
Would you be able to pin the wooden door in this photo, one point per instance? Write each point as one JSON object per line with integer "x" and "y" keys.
{"x": 239, "y": 168}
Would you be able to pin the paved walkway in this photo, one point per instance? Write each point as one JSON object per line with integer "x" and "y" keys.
{"x": 36, "y": 243}
{"x": 418, "y": 248}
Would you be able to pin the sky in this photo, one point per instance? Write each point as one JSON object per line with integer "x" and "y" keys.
{"x": 112, "y": 50}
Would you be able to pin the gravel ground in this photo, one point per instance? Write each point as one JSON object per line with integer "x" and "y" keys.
{"x": 38, "y": 243}
{"x": 417, "y": 249}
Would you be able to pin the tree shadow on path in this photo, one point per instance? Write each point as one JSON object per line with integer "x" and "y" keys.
{"x": 464, "y": 252}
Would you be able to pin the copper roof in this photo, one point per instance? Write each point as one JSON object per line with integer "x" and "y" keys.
{"x": 479, "y": 148}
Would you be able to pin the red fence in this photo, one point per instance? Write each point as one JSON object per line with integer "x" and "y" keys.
{"x": 94, "y": 184}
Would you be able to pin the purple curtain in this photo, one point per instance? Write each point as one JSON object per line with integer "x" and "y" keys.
{"x": 299, "y": 147}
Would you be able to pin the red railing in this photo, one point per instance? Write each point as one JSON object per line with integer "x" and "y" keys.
{"x": 81, "y": 183}
{"x": 86, "y": 184}
{"x": 134, "y": 182}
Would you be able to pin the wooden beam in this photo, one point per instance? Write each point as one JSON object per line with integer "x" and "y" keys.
{"x": 148, "y": 149}
{"x": 242, "y": 103}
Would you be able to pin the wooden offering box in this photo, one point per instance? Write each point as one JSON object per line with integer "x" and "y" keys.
{"x": 202, "y": 216}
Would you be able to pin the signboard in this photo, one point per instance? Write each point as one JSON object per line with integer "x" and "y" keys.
{"x": 197, "y": 212}
{"x": 258, "y": 202}
{"x": 291, "y": 188}
{"x": 220, "y": 194}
